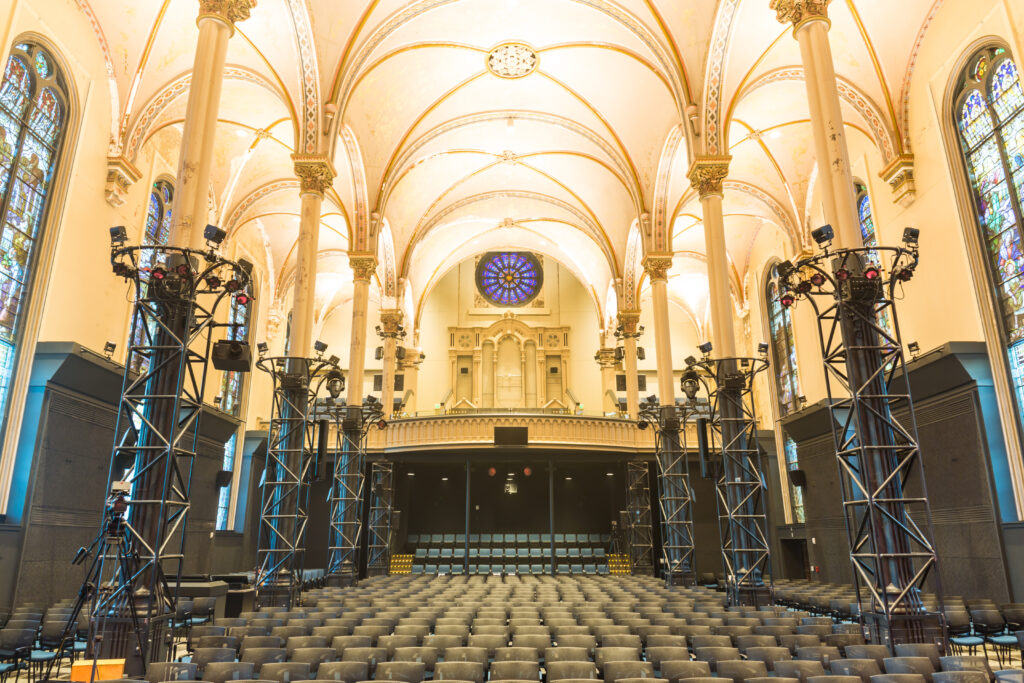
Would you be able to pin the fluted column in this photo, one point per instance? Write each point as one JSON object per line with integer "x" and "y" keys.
{"x": 657, "y": 271}
{"x": 191, "y": 204}
{"x": 390, "y": 330}
{"x": 315, "y": 175}
{"x": 606, "y": 360}
{"x": 810, "y": 27}
{"x": 629, "y": 321}
{"x": 363, "y": 266}
{"x": 707, "y": 175}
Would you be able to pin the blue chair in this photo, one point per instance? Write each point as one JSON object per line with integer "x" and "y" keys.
{"x": 437, "y": 539}
{"x": 460, "y": 539}
{"x": 449, "y": 539}
{"x": 431, "y": 569}
{"x": 545, "y": 539}
{"x": 434, "y": 553}
{"x": 444, "y": 569}
{"x": 457, "y": 569}
{"x": 485, "y": 552}
{"x": 523, "y": 569}
{"x": 483, "y": 569}
{"x": 602, "y": 569}
{"x": 522, "y": 539}
{"x": 563, "y": 569}
{"x": 495, "y": 552}
{"x": 421, "y": 553}
{"x": 535, "y": 553}
{"x": 599, "y": 553}
{"x": 561, "y": 552}
{"x": 446, "y": 553}
{"x": 559, "y": 538}
{"x": 590, "y": 569}
{"x": 534, "y": 539}
{"x": 474, "y": 539}
{"x": 577, "y": 569}
{"x": 414, "y": 539}
{"x": 474, "y": 552}
{"x": 485, "y": 538}
{"x": 460, "y": 553}
{"x": 509, "y": 552}
{"x": 417, "y": 569}
{"x": 523, "y": 553}
{"x": 574, "y": 552}
{"x": 536, "y": 569}
{"x": 510, "y": 569}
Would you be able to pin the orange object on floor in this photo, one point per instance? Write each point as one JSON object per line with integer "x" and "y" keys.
{"x": 106, "y": 670}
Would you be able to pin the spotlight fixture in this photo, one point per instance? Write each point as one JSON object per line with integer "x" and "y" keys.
{"x": 803, "y": 286}
{"x": 158, "y": 273}
{"x": 609, "y": 474}
{"x": 914, "y": 348}
{"x": 109, "y": 348}
{"x": 182, "y": 269}
{"x": 319, "y": 347}
{"x": 333, "y": 360}
{"x": 444, "y": 478}
{"x": 641, "y": 425}
{"x": 118, "y": 236}
{"x": 232, "y": 285}
{"x": 785, "y": 269}
{"x": 568, "y": 478}
{"x": 213, "y": 282}
{"x": 904, "y": 274}
{"x": 872, "y": 272}
{"x": 787, "y": 300}
{"x": 842, "y": 274}
{"x": 491, "y": 471}
{"x": 382, "y": 424}
{"x": 690, "y": 361}
{"x": 817, "y": 279}
{"x": 335, "y": 383}
{"x": 689, "y": 384}
{"x": 762, "y": 348}
{"x": 243, "y": 299}
{"x": 705, "y": 348}
{"x": 262, "y": 348}
{"x": 802, "y": 399}
{"x": 824, "y": 235}
{"x": 214, "y": 235}
{"x": 911, "y": 236}
{"x": 527, "y": 471}
{"x": 410, "y": 474}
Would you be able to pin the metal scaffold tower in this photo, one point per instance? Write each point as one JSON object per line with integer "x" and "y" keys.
{"x": 132, "y": 580}
{"x": 291, "y": 455}
{"x": 638, "y": 511}
{"x": 382, "y": 475}
{"x": 675, "y": 496}
{"x": 736, "y": 467}
{"x": 889, "y": 529}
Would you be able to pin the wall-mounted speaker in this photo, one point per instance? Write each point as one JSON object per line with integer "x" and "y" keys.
{"x": 798, "y": 478}
{"x": 223, "y": 478}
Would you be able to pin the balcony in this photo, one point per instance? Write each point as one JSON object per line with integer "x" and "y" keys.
{"x": 546, "y": 430}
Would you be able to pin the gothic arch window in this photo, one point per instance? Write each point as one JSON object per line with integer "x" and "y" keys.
{"x": 989, "y": 116}
{"x": 156, "y": 232}
{"x": 232, "y": 386}
{"x": 787, "y": 380}
{"x": 33, "y": 117}
{"x": 869, "y": 236}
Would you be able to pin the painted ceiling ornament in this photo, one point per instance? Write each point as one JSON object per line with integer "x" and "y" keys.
{"x": 512, "y": 60}
{"x": 708, "y": 173}
{"x": 796, "y": 11}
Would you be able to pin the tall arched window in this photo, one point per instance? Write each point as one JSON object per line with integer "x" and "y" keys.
{"x": 988, "y": 114}
{"x": 866, "y": 217}
{"x": 231, "y": 387}
{"x": 787, "y": 381}
{"x": 33, "y": 114}
{"x": 157, "y": 231}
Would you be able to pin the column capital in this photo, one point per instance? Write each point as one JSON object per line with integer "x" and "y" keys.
{"x": 797, "y": 12}
{"x": 363, "y": 266}
{"x": 121, "y": 175}
{"x": 391, "y": 323}
{"x": 412, "y": 359}
{"x": 707, "y": 174}
{"x": 606, "y": 358}
{"x": 228, "y": 11}
{"x": 657, "y": 266}
{"x": 630, "y": 322}
{"x": 315, "y": 173}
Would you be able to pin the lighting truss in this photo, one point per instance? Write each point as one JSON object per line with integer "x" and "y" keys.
{"x": 641, "y": 545}
{"x": 382, "y": 476}
{"x": 889, "y": 530}
{"x": 291, "y": 452}
{"x": 135, "y": 591}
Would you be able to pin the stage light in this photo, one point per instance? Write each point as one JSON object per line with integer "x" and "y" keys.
{"x": 242, "y": 299}
{"x": 118, "y": 236}
{"x": 109, "y": 349}
{"x": 911, "y": 236}
{"x": 232, "y": 285}
{"x": 609, "y": 474}
{"x": 872, "y": 273}
{"x": 689, "y": 384}
{"x": 382, "y": 424}
{"x": 641, "y": 425}
{"x": 803, "y": 286}
{"x": 568, "y": 478}
{"x": 158, "y": 273}
{"x": 823, "y": 235}
{"x": 802, "y": 399}
{"x": 182, "y": 269}
{"x": 491, "y": 471}
{"x": 214, "y": 235}
{"x": 444, "y": 478}
{"x": 335, "y": 383}
{"x": 213, "y": 281}
{"x": 904, "y": 274}
{"x": 705, "y": 348}
{"x": 787, "y": 300}
{"x": 410, "y": 474}
{"x": 817, "y": 279}
{"x": 785, "y": 269}
{"x": 690, "y": 360}
{"x": 319, "y": 347}
{"x": 333, "y": 360}
{"x": 842, "y": 274}
{"x": 914, "y": 349}
{"x": 262, "y": 348}
{"x": 762, "y": 348}
{"x": 527, "y": 471}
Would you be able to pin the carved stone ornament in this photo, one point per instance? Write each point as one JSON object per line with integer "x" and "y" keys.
{"x": 900, "y": 176}
{"x": 657, "y": 267}
{"x": 630, "y": 321}
{"x": 363, "y": 266}
{"x": 707, "y": 175}
{"x": 390, "y": 322}
{"x": 797, "y": 11}
{"x": 315, "y": 173}
{"x": 512, "y": 60}
{"x": 228, "y": 10}
{"x": 606, "y": 358}
{"x": 121, "y": 174}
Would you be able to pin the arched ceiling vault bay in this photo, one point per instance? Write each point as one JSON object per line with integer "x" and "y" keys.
{"x": 560, "y": 126}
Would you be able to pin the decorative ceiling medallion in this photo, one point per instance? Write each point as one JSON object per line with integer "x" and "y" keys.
{"x": 512, "y": 60}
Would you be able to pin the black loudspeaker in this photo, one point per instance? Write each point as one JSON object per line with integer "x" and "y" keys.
{"x": 231, "y": 356}
{"x": 511, "y": 436}
{"x": 702, "y": 447}
{"x": 640, "y": 353}
{"x": 322, "y": 432}
{"x": 798, "y": 478}
{"x": 223, "y": 478}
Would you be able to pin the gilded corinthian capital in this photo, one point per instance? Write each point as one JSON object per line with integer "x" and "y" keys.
{"x": 315, "y": 173}
{"x": 797, "y": 11}
{"x": 657, "y": 267}
{"x": 230, "y": 11}
{"x": 363, "y": 266}
{"x": 707, "y": 175}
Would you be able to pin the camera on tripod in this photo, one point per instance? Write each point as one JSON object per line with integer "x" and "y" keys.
{"x": 117, "y": 505}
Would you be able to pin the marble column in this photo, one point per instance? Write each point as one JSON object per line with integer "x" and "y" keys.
{"x": 606, "y": 360}
{"x": 363, "y": 266}
{"x": 315, "y": 175}
{"x": 410, "y": 366}
{"x": 810, "y": 27}
{"x": 657, "y": 267}
{"x": 390, "y": 331}
{"x": 630, "y": 323}
{"x": 191, "y": 210}
{"x": 707, "y": 175}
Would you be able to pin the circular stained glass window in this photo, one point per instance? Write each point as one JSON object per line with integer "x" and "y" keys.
{"x": 509, "y": 278}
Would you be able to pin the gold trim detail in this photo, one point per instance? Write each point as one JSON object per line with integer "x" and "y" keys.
{"x": 900, "y": 176}
{"x": 512, "y": 60}
{"x": 363, "y": 266}
{"x": 390, "y": 323}
{"x": 121, "y": 175}
{"x": 231, "y": 11}
{"x": 707, "y": 175}
{"x": 630, "y": 321}
{"x": 315, "y": 173}
{"x": 657, "y": 267}
{"x": 798, "y": 11}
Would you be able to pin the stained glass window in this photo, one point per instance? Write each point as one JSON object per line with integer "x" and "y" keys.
{"x": 157, "y": 231}
{"x": 509, "y": 278}
{"x": 783, "y": 350}
{"x": 989, "y": 114}
{"x": 224, "y": 498}
{"x": 870, "y": 238}
{"x": 232, "y": 382}
{"x": 33, "y": 112}
{"x": 796, "y": 493}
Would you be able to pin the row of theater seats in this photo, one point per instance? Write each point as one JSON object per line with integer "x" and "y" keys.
{"x": 617, "y": 629}
{"x": 485, "y": 554}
